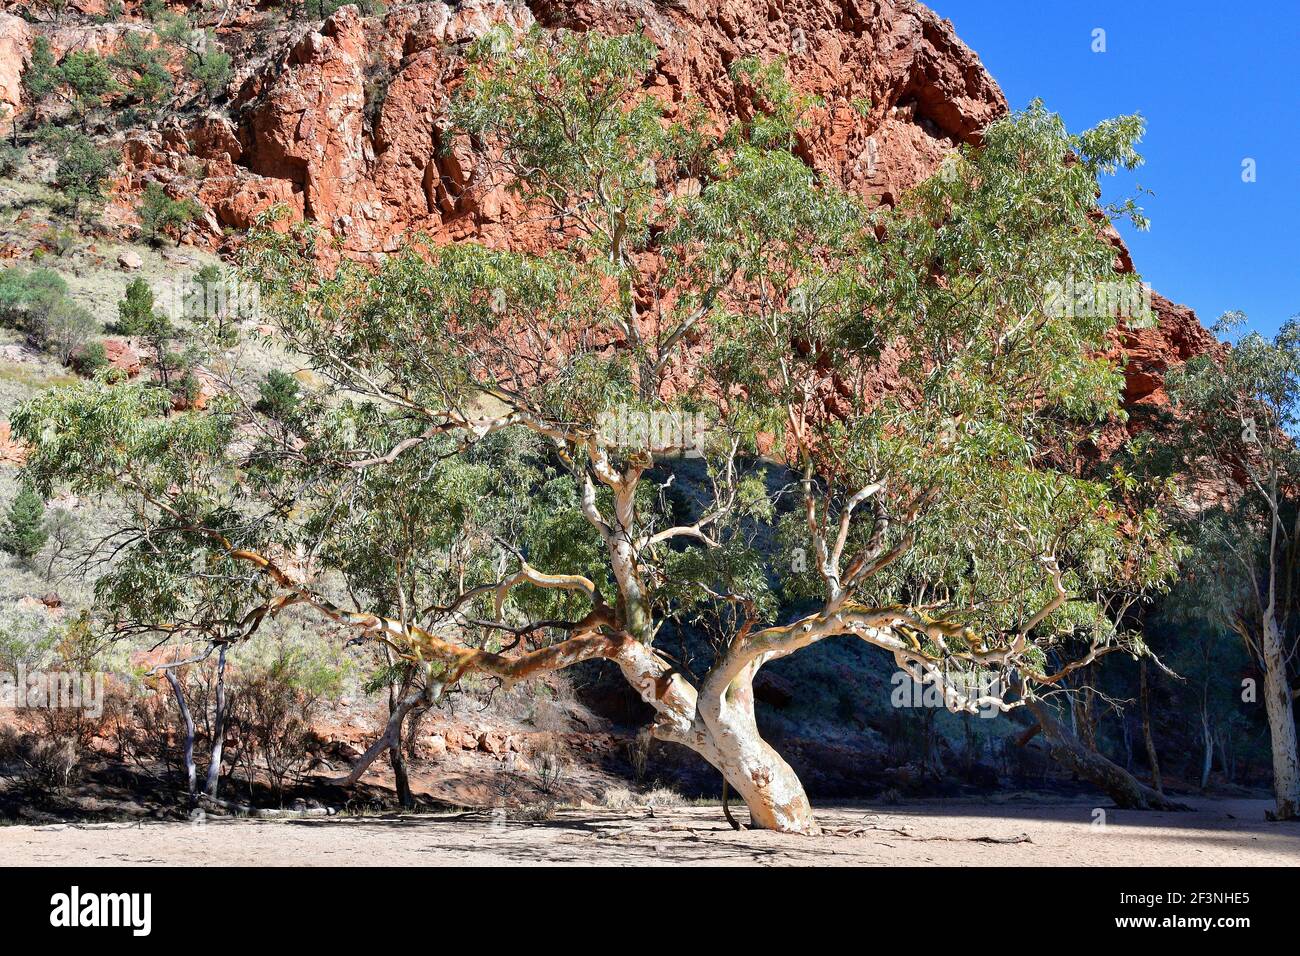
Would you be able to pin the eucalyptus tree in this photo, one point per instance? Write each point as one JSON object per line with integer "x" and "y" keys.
{"x": 1239, "y": 442}
{"x": 481, "y": 484}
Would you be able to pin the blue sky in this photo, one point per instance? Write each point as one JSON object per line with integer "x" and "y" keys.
{"x": 1218, "y": 83}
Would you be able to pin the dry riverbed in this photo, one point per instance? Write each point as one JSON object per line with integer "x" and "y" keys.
{"x": 940, "y": 833}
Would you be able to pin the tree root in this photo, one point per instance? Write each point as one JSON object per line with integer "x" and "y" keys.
{"x": 726, "y": 810}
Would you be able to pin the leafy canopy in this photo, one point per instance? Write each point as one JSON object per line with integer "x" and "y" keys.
{"x": 488, "y": 457}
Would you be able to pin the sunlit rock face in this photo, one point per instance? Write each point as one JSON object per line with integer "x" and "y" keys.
{"x": 346, "y": 125}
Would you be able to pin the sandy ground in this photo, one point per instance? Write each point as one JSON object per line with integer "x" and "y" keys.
{"x": 1218, "y": 832}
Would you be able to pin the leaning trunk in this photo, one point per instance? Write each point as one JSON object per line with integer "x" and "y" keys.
{"x": 770, "y": 788}
{"x": 179, "y": 692}
{"x": 396, "y": 758}
{"x": 1281, "y": 724}
{"x": 1126, "y": 790}
{"x": 718, "y": 723}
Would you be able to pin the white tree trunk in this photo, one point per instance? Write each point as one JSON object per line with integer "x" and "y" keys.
{"x": 718, "y": 723}
{"x": 770, "y": 788}
{"x": 1281, "y": 723}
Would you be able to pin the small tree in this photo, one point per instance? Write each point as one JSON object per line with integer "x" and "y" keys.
{"x": 209, "y": 66}
{"x": 1239, "y": 435}
{"x": 278, "y": 396}
{"x": 23, "y": 533}
{"x": 145, "y": 64}
{"x": 138, "y": 317}
{"x": 83, "y": 78}
{"x": 161, "y": 215}
{"x": 81, "y": 171}
{"x": 40, "y": 78}
{"x": 27, "y": 297}
{"x": 68, "y": 328}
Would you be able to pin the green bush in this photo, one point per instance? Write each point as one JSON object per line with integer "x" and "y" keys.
{"x": 90, "y": 359}
{"x": 12, "y": 159}
{"x": 28, "y": 297}
{"x": 162, "y": 216}
{"x": 210, "y": 69}
{"x": 151, "y": 80}
{"x": 81, "y": 171}
{"x": 23, "y": 531}
{"x": 67, "y": 327}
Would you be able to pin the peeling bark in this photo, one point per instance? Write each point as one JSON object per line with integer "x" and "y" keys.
{"x": 1280, "y": 707}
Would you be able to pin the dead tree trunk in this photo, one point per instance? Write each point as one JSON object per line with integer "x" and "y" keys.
{"x": 1127, "y": 791}
{"x": 1144, "y": 697}
{"x": 179, "y": 693}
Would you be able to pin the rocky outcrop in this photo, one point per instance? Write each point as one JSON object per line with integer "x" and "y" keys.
{"x": 1149, "y": 353}
{"x": 15, "y": 49}
{"x": 346, "y": 126}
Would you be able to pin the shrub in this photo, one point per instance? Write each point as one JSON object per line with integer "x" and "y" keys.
{"x": 27, "y": 297}
{"x": 88, "y": 79}
{"x": 68, "y": 326}
{"x": 23, "y": 532}
{"x": 81, "y": 172}
{"x": 278, "y": 396}
{"x": 151, "y": 78}
{"x": 161, "y": 215}
{"x": 90, "y": 359}
{"x": 43, "y": 763}
{"x": 210, "y": 69}
{"x": 42, "y": 74}
{"x": 12, "y": 159}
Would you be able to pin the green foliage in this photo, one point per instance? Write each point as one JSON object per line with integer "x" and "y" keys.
{"x": 28, "y": 296}
{"x": 85, "y": 78}
{"x": 23, "y": 532}
{"x": 145, "y": 62}
{"x": 28, "y": 638}
{"x": 36, "y": 302}
{"x": 66, "y": 329}
{"x": 81, "y": 171}
{"x": 42, "y": 75}
{"x": 138, "y": 317}
{"x": 278, "y": 396}
{"x": 91, "y": 359}
{"x": 209, "y": 68}
{"x": 1238, "y": 427}
{"x": 475, "y": 417}
{"x": 12, "y": 159}
{"x": 161, "y": 215}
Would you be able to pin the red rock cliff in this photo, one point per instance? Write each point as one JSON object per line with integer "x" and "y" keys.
{"x": 346, "y": 124}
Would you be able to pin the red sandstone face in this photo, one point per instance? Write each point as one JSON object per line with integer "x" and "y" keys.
{"x": 314, "y": 133}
